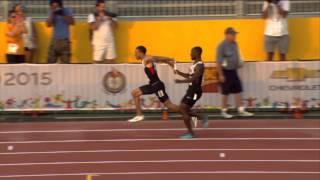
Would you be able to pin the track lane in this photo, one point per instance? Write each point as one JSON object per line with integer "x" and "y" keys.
{"x": 156, "y": 124}
{"x": 164, "y": 155}
{"x": 160, "y": 167}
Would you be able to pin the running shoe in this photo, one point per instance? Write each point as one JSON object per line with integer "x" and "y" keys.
{"x": 187, "y": 136}
{"x": 245, "y": 114}
{"x": 136, "y": 119}
{"x": 226, "y": 115}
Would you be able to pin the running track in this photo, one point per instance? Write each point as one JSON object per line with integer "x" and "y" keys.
{"x": 262, "y": 149}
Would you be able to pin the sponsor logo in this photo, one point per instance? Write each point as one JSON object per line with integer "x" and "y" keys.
{"x": 210, "y": 80}
{"x": 296, "y": 74}
{"x": 295, "y": 88}
{"x": 114, "y": 81}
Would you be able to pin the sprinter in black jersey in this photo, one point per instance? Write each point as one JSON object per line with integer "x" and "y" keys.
{"x": 194, "y": 92}
{"x": 155, "y": 85}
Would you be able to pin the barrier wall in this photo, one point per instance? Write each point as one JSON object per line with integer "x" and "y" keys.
{"x": 175, "y": 38}
{"x": 71, "y": 87}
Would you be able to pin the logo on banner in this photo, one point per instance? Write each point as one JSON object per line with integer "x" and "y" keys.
{"x": 114, "y": 81}
{"x": 295, "y": 74}
{"x": 210, "y": 83}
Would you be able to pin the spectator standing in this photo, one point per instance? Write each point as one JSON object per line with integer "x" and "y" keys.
{"x": 102, "y": 24}
{"x": 30, "y": 36}
{"x": 60, "y": 19}
{"x": 276, "y": 32}
{"x": 228, "y": 63}
{"x": 15, "y": 47}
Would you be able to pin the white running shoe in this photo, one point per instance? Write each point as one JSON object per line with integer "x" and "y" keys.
{"x": 136, "y": 119}
{"x": 245, "y": 114}
{"x": 226, "y": 115}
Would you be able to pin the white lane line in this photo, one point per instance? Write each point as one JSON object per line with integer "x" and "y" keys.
{"x": 142, "y": 140}
{"x": 149, "y": 150}
{"x": 154, "y": 161}
{"x": 157, "y": 129}
{"x": 157, "y": 173}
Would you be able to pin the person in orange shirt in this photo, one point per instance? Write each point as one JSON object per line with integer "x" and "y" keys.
{"x": 15, "y": 46}
{"x": 29, "y": 38}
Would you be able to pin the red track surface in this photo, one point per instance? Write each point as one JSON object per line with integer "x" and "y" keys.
{"x": 264, "y": 150}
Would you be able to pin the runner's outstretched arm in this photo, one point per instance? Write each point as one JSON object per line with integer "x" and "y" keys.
{"x": 198, "y": 72}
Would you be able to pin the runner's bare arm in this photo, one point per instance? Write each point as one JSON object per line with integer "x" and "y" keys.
{"x": 198, "y": 72}
{"x": 185, "y": 75}
{"x": 165, "y": 60}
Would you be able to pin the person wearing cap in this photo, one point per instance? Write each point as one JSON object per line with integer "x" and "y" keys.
{"x": 29, "y": 38}
{"x": 60, "y": 19}
{"x": 228, "y": 63}
{"x": 276, "y": 33}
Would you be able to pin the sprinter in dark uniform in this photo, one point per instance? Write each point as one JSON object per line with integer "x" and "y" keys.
{"x": 155, "y": 85}
{"x": 194, "y": 92}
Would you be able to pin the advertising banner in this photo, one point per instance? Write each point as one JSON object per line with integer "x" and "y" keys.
{"x": 88, "y": 87}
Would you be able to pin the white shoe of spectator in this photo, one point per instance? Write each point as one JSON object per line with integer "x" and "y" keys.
{"x": 225, "y": 115}
{"x": 136, "y": 119}
{"x": 242, "y": 112}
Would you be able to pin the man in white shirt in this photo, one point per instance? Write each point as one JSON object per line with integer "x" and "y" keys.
{"x": 102, "y": 24}
{"x": 276, "y": 32}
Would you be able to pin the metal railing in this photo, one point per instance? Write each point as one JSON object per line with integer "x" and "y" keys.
{"x": 176, "y": 8}
{"x": 254, "y": 7}
{"x": 163, "y": 8}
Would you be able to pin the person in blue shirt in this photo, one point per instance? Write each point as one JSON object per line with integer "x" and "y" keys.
{"x": 60, "y": 19}
{"x": 228, "y": 63}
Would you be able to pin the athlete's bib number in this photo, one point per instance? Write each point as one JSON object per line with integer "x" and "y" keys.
{"x": 12, "y": 48}
{"x": 160, "y": 93}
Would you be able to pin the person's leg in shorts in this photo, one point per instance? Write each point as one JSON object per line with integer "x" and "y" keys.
{"x": 237, "y": 89}
{"x": 11, "y": 59}
{"x": 283, "y": 47}
{"x": 226, "y": 87}
{"x": 65, "y": 51}
{"x": 164, "y": 98}
{"x": 188, "y": 101}
{"x": 110, "y": 54}
{"x": 136, "y": 94}
{"x": 21, "y": 59}
{"x": 28, "y": 54}
{"x": 15, "y": 59}
{"x": 159, "y": 90}
{"x": 270, "y": 43}
{"x": 52, "y": 54}
{"x": 99, "y": 52}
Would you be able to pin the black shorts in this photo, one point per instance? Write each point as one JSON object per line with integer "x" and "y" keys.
{"x": 157, "y": 88}
{"x": 27, "y": 49}
{"x": 192, "y": 97}
{"x": 232, "y": 83}
{"x": 15, "y": 59}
